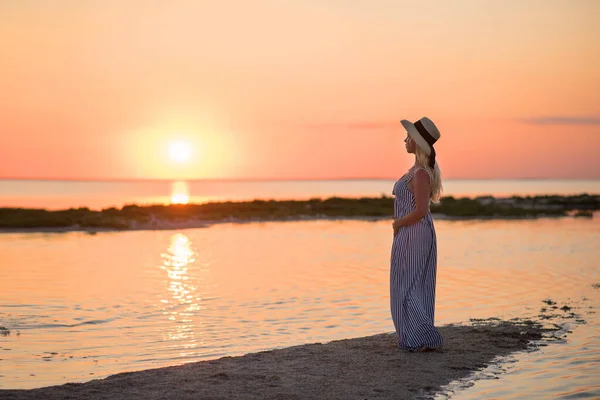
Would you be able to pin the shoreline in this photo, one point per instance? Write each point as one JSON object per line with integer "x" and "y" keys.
{"x": 185, "y": 216}
{"x": 162, "y": 225}
{"x": 358, "y": 368}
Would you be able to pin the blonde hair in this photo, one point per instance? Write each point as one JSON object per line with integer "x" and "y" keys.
{"x": 435, "y": 174}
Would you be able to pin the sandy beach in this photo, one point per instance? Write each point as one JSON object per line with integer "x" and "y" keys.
{"x": 360, "y": 368}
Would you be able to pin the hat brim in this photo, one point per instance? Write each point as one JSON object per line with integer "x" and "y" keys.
{"x": 412, "y": 131}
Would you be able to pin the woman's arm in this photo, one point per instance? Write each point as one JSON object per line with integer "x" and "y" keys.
{"x": 421, "y": 191}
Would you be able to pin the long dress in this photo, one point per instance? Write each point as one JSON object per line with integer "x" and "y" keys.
{"x": 413, "y": 274}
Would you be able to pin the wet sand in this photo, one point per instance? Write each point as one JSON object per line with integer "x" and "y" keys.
{"x": 363, "y": 368}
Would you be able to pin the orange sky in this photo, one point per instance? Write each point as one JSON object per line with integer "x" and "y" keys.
{"x": 297, "y": 88}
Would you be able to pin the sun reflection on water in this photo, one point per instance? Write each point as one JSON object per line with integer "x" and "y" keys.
{"x": 182, "y": 303}
{"x": 180, "y": 193}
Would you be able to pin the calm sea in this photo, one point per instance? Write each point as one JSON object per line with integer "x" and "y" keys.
{"x": 84, "y": 306}
{"x": 102, "y": 194}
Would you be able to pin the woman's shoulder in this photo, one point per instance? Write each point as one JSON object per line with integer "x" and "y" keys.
{"x": 421, "y": 172}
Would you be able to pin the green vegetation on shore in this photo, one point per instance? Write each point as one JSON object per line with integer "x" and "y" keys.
{"x": 132, "y": 216}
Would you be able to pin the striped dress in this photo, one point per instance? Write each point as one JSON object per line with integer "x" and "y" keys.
{"x": 413, "y": 274}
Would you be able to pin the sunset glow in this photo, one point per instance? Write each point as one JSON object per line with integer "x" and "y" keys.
{"x": 138, "y": 90}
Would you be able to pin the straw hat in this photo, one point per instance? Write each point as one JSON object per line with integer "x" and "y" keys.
{"x": 425, "y": 134}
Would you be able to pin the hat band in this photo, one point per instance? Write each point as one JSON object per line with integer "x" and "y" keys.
{"x": 429, "y": 139}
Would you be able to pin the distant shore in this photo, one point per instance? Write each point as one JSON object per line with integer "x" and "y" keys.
{"x": 181, "y": 216}
{"x": 368, "y": 367}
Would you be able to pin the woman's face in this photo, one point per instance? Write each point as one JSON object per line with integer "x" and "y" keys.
{"x": 410, "y": 144}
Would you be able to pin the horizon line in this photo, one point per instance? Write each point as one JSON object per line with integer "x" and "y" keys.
{"x": 108, "y": 180}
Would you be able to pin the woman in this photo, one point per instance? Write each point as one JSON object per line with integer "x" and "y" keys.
{"x": 414, "y": 248}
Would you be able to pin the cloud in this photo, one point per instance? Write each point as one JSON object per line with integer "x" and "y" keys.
{"x": 561, "y": 120}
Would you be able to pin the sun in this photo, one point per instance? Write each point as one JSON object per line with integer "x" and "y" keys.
{"x": 180, "y": 151}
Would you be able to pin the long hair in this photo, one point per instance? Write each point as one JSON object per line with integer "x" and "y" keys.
{"x": 435, "y": 174}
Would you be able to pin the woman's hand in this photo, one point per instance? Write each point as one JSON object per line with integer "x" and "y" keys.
{"x": 396, "y": 226}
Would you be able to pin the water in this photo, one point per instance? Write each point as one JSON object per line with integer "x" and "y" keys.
{"x": 87, "y": 306}
{"x": 98, "y": 195}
